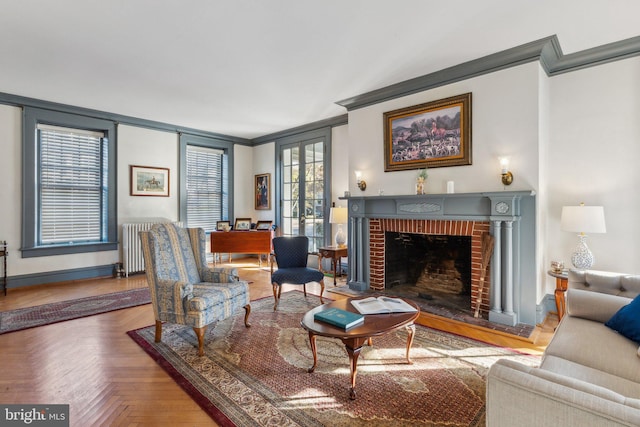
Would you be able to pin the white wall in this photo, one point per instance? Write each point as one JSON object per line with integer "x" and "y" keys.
{"x": 594, "y": 150}
{"x": 504, "y": 123}
{"x": 146, "y": 147}
{"x": 264, "y": 162}
{"x": 244, "y": 206}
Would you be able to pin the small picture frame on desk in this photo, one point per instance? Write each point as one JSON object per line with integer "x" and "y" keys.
{"x": 223, "y": 225}
{"x": 264, "y": 225}
{"x": 242, "y": 224}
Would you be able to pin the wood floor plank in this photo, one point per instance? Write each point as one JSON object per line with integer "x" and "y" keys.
{"x": 106, "y": 378}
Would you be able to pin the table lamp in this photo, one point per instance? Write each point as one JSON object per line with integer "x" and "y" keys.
{"x": 338, "y": 215}
{"x": 582, "y": 219}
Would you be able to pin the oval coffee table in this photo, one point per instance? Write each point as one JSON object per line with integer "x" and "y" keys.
{"x": 354, "y": 338}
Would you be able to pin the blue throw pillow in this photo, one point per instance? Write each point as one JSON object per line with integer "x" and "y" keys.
{"x": 627, "y": 320}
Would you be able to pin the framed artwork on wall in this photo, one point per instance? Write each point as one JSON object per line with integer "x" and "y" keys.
{"x": 149, "y": 181}
{"x": 263, "y": 191}
{"x": 434, "y": 134}
{"x": 242, "y": 224}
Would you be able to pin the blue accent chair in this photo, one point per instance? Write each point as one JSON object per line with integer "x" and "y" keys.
{"x": 184, "y": 290}
{"x": 291, "y": 254}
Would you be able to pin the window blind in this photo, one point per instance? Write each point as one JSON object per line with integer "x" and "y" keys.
{"x": 206, "y": 187}
{"x": 73, "y": 184}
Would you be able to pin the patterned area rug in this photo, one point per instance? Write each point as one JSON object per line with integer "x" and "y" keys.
{"x": 30, "y": 317}
{"x": 258, "y": 376}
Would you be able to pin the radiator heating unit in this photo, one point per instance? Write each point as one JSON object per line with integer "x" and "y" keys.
{"x": 132, "y": 259}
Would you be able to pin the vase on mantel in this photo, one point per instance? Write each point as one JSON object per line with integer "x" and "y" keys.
{"x": 420, "y": 185}
{"x": 420, "y": 180}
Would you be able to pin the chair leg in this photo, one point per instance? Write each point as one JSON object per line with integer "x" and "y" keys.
{"x": 247, "y": 311}
{"x": 200, "y": 334}
{"x": 276, "y": 295}
{"x": 321, "y": 290}
{"x": 304, "y": 289}
{"x": 158, "y": 331}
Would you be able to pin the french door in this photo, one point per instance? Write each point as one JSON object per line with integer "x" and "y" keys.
{"x": 304, "y": 184}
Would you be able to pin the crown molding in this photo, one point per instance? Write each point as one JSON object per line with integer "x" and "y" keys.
{"x": 546, "y": 50}
{"x": 22, "y": 101}
{"x": 330, "y": 122}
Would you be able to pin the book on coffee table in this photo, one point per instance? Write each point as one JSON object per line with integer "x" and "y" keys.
{"x": 381, "y": 305}
{"x": 340, "y": 318}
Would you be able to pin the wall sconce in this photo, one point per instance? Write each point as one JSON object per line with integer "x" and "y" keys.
{"x": 362, "y": 184}
{"x": 507, "y": 177}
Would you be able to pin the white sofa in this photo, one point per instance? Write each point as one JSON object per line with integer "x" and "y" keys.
{"x": 589, "y": 374}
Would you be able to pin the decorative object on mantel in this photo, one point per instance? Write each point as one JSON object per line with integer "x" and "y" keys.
{"x": 420, "y": 180}
{"x": 507, "y": 177}
{"x": 434, "y": 134}
{"x": 338, "y": 215}
{"x": 583, "y": 219}
{"x": 450, "y": 187}
{"x": 362, "y": 184}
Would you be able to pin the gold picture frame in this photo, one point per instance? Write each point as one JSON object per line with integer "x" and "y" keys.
{"x": 148, "y": 181}
{"x": 435, "y": 134}
{"x": 263, "y": 191}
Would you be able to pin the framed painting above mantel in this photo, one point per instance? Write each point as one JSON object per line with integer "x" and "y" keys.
{"x": 435, "y": 134}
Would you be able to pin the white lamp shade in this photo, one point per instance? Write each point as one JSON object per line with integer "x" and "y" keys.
{"x": 338, "y": 215}
{"x": 583, "y": 219}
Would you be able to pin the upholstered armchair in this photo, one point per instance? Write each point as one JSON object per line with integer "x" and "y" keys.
{"x": 291, "y": 254}
{"x": 184, "y": 290}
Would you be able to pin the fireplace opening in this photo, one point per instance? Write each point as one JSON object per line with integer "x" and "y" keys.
{"x": 435, "y": 268}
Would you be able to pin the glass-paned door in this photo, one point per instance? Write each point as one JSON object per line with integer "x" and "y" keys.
{"x": 303, "y": 191}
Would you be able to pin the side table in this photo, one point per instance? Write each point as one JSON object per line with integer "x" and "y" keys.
{"x": 335, "y": 253}
{"x": 562, "y": 280}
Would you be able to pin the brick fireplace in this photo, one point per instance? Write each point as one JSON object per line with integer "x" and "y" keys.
{"x": 509, "y": 216}
{"x": 378, "y": 227}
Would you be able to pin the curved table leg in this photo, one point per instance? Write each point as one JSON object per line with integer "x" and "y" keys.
{"x": 411, "y": 329}
{"x": 312, "y": 341}
{"x": 353, "y": 363}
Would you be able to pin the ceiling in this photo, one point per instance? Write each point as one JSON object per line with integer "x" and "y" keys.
{"x": 249, "y": 68}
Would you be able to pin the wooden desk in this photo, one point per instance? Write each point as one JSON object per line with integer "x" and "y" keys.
{"x": 335, "y": 253}
{"x": 242, "y": 242}
{"x": 562, "y": 280}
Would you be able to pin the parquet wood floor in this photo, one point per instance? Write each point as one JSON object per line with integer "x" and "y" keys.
{"x": 107, "y": 379}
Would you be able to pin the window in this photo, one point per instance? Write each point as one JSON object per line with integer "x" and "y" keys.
{"x": 206, "y": 172}
{"x": 69, "y": 184}
{"x": 207, "y": 191}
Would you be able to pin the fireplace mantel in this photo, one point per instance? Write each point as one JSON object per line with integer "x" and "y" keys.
{"x": 511, "y": 215}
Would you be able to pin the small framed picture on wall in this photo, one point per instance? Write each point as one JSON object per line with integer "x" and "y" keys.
{"x": 263, "y": 191}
